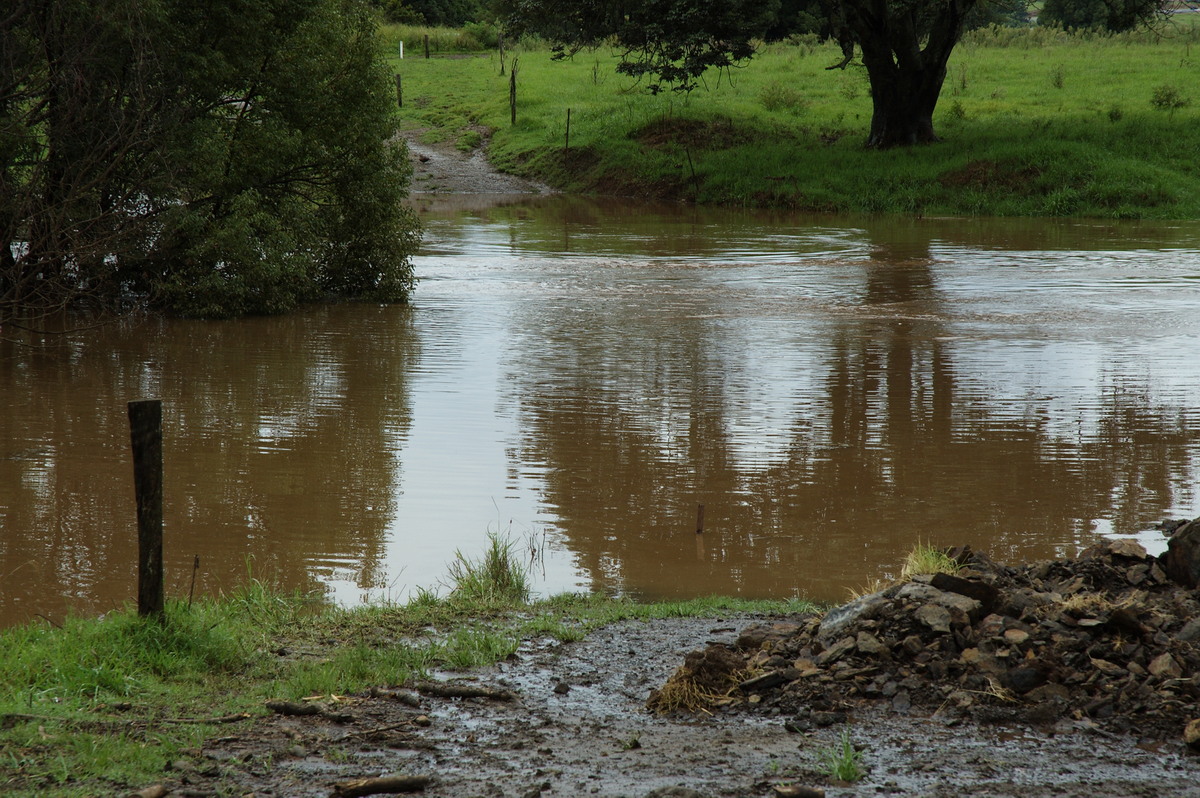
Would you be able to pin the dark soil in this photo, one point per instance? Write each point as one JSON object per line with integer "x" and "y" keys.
{"x": 562, "y": 719}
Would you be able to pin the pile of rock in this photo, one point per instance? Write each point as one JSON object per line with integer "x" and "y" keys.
{"x": 1110, "y": 638}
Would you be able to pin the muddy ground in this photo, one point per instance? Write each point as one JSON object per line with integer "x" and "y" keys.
{"x": 576, "y": 724}
{"x": 569, "y": 719}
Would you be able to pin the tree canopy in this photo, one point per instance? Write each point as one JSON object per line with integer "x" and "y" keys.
{"x": 904, "y": 44}
{"x": 209, "y": 159}
{"x": 1110, "y": 15}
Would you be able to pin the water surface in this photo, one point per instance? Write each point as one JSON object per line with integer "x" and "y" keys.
{"x": 581, "y": 376}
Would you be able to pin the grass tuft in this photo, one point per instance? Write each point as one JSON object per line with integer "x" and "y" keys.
{"x": 497, "y": 578}
{"x": 925, "y": 559}
{"x": 843, "y": 762}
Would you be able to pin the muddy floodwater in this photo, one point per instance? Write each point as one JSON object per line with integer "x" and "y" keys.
{"x": 582, "y": 376}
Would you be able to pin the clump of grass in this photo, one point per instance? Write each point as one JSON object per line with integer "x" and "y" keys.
{"x": 776, "y": 96}
{"x": 925, "y": 559}
{"x": 843, "y": 762}
{"x": 1167, "y": 98}
{"x": 499, "y": 577}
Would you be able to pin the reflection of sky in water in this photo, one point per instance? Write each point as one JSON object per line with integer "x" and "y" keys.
{"x": 1043, "y": 335}
{"x": 541, "y": 347}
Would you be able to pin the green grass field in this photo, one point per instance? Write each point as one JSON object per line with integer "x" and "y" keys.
{"x": 1034, "y": 122}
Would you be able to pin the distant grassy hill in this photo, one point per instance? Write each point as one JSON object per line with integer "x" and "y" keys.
{"x": 1035, "y": 122}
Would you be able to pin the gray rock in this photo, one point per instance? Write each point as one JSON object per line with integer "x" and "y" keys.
{"x": 837, "y": 620}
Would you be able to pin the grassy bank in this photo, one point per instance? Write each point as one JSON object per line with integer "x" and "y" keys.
{"x": 103, "y": 706}
{"x": 1035, "y": 123}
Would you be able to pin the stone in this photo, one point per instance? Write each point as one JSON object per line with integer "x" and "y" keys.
{"x": 869, "y": 644}
{"x": 764, "y": 682}
{"x": 1181, "y": 562}
{"x": 935, "y": 616}
{"x": 756, "y": 635}
{"x": 1190, "y": 632}
{"x": 837, "y": 620}
{"x": 1164, "y": 665}
{"x": 796, "y": 791}
{"x": 1107, "y": 668}
{"x": 835, "y": 652}
{"x": 674, "y": 792}
{"x": 1022, "y": 680}
{"x": 1191, "y": 734}
{"x": 1016, "y": 636}
{"x": 987, "y": 595}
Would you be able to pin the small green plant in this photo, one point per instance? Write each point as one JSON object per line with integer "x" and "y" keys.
{"x": 1115, "y": 114}
{"x": 925, "y": 559}
{"x": 1057, "y": 79}
{"x": 956, "y": 112}
{"x": 1167, "y": 98}
{"x": 843, "y": 762}
{"x": 498, "y": 578}
{"x": 775, "y": 96}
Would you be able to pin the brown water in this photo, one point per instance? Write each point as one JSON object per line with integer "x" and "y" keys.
{"x": 584, "y": 375}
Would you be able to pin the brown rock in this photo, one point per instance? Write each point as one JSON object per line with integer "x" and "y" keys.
{"x": 1164, "y": 665}
{"x": 835, "y": 652}
{"x": 1016, "y": 636}
{"x": 1108, "y": 668}
{"x": 869, "y": 644}
{"x": 1191, "y": 734}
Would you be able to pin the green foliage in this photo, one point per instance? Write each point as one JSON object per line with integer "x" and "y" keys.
{"x": 211, "y": 159}
{"x": 665, "y": 42}
{"x": 843, "y": 762}
{"x": 1114, "y": 16}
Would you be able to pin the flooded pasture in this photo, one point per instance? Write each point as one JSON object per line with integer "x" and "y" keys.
{"x": 582, "y": 375}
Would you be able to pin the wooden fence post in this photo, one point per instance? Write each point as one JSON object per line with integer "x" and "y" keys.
{"x": 426, "y": 45}
{"x": 500, "y": 44}
{"x": 512, "y": 91}
{"x": 568, "y": 143}
{"x": 399, "y": 91}
{"x": 145, "y": 436}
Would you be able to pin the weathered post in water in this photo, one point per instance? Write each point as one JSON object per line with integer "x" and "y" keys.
{"x": 145, "y": 435}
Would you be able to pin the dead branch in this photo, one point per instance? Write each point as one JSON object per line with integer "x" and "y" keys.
{"x": 385, "y": 784}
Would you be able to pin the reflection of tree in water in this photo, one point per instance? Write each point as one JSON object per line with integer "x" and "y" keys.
{"x": 279, "y": 435}
{"x": 897, "y": 449}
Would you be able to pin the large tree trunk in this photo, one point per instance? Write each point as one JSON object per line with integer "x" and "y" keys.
{"x": 903, "y": 105}
{"x": 906, "y": 77}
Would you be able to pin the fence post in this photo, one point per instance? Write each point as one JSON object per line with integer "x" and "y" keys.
{"x": 145, "y": 436}
{"x": 568, "y": 143}
{"x": 426, "y": 45}
{"x": 399, "y": 91}
{"x": 512, "y": 91}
